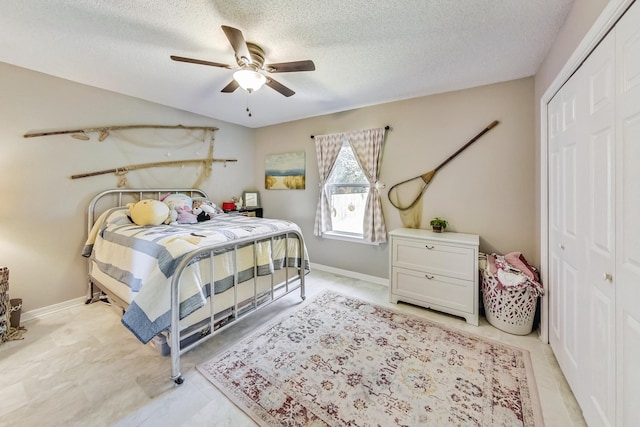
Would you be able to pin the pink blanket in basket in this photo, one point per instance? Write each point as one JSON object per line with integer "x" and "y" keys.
{"x": 513, "y": 271}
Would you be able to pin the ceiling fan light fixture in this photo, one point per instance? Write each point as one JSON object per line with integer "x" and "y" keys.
{"x": 249, "y": 80}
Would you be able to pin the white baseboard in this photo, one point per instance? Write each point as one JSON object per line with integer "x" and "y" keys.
{"x": 51, "y": 309}
{"x": 352, "y": 274}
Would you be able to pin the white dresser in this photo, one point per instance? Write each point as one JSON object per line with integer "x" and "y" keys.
{"x": 435, "y": 270}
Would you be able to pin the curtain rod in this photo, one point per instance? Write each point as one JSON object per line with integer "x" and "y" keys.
{"x": 387, "y": 127}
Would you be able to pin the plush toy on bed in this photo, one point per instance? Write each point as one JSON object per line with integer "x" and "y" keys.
{"x": 204, "y": 209}
{"x": 148, "y": 212}
{"x": 180, "y": 209}
{"x": 185, "y": 216}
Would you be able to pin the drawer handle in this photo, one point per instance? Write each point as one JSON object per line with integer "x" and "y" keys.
{"x": 428, "y": 277}
{"x": 429, "y": 247}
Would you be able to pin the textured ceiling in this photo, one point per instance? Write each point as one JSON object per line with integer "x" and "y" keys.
{"x": 366, "y": 52}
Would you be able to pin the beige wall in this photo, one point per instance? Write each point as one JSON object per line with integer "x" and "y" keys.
{"x": 42, "y": 217}
{"x": 487, "y": 190}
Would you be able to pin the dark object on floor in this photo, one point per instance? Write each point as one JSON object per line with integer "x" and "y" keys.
{"x": 16, "y": 312}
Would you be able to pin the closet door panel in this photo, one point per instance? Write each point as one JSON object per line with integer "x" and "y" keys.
{"x": 599, "y": 138}
{"x": 628, "y": 267}
{"x": 555, "y": 191}
{"x": 564, "y": 222}
{"x": 555, "y": 211}
{"x": 627, "y": 278}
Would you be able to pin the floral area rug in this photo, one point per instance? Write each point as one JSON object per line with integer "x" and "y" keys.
{"x": 340, "y": 361}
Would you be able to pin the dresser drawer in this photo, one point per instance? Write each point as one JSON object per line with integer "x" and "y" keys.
{"x": 434, "y": 257}
{"x": 433, "y": 289}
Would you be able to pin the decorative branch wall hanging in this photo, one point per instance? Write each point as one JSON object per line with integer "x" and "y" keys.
{"x": 104, "y": 130}
{"x": 122, "y": 171}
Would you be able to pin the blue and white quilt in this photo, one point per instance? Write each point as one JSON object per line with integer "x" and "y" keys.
{"x": 144, "y": 259}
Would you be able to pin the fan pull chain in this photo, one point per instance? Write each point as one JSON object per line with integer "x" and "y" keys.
{"x": 248, "y": 111}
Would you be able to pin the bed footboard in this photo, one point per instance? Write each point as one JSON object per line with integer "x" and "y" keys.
{"x": 259, "y": 299}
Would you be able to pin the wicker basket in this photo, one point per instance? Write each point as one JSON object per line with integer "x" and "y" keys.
{"x": 510, "y": 310}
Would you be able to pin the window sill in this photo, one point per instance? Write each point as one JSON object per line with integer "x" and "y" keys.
{"x": 347, "y": 238}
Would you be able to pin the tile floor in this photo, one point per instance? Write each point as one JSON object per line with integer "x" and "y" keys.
{"x": 81, "y": 367}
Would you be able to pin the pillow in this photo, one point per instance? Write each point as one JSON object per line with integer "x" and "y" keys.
{"x": 177, "y": 200}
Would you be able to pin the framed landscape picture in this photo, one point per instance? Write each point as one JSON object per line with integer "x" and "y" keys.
{"x": 285, "y": 171}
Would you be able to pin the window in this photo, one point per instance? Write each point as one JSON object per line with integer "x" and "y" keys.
{"x": 349, "y": 204}
{"x": 347, "y": 190}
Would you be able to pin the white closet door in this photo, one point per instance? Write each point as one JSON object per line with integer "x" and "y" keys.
{"x": 627, "y": 279}
{"x": 597, "y": 135}
{"x": 565, "y": 247}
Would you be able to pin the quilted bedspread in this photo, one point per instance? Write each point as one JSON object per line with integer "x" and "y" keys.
{"x": 144, "y": 258}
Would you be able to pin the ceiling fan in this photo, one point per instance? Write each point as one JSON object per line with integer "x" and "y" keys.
{"x": 250, "y": 59}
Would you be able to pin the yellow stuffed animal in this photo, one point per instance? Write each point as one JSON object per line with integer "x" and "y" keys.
{"x": 148, "y": 212}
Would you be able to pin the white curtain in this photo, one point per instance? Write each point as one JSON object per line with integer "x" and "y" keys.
{"x": 327, "y": 150}
{"x": 367, "y": 147}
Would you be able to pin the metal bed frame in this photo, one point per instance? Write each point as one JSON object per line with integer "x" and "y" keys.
{"x": 209, "y": 330}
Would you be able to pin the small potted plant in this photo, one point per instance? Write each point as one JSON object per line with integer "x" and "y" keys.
{"x": 438, "y": 225}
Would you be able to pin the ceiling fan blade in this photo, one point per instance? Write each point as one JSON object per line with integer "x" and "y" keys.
{"x": 287, "y": 67}
{"x": 199, "y": 61}
{"x": 232, "y": 86}
{"x": 238, "y": 43}
{"x": 279, "y": 87}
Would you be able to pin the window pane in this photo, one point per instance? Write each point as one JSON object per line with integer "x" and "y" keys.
{"x": 347, "y": 208}
{"x": 347, "y": 189}
{"x": 347, "y": 170}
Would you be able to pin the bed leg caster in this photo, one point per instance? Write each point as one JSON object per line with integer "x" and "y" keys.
{"x": 179, "y": 380}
